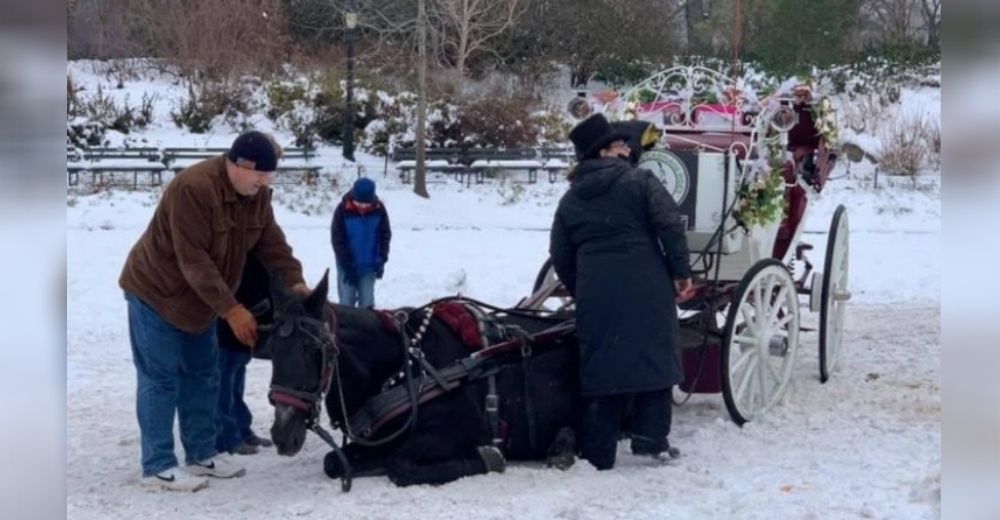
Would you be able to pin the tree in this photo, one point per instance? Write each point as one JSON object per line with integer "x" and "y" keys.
{"x": 930, "y": 11}
{"x": 467, "y": 27}
{"x": 893, "y": 19}
{"x": 794, "y": 38}
{"x": 420, "y": 175}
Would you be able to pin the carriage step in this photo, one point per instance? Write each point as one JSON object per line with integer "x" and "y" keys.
{"x": 842, "y": 296}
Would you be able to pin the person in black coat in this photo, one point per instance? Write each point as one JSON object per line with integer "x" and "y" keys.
{"x": 619, "y": 247}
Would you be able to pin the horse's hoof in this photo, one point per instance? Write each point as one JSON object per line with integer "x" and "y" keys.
{"x": 493, "y": 458}
{"x": 561, "y": 461}
{"x": 332, "y": 466}
{"x": 562, "y": 453}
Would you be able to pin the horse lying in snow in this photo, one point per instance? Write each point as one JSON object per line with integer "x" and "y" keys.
{"x": 412, "y": 402}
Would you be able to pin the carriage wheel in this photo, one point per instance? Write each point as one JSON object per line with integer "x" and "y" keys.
{"x": 547, "y": 276}
{"x": 760, "y": 340}
{"x": 834, "y": 294}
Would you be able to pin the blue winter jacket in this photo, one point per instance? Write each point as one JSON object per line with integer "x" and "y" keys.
{"x": 361, "y": 237}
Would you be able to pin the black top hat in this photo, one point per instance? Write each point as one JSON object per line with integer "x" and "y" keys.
{"x": 593, "y": 135}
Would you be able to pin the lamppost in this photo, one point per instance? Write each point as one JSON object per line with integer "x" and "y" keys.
{"x": 351, "y": 21}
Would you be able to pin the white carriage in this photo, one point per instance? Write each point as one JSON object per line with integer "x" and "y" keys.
{"x": 728, "y": 157}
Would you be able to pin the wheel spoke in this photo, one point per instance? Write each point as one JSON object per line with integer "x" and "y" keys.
{"x": 744, "y": 385}
{"x": 773, "y": 314}
{"x": 761, "y": 383}
{"x": 780, "y": 326}
{"x": 743, "y": 392}
{"x": 742, "y": 360}
{"x": 747, "y": 318}
{"x": 772, "y": 372}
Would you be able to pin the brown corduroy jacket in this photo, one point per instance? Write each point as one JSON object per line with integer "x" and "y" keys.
{"x": 188, "y": 263}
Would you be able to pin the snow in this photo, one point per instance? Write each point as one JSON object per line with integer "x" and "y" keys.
{"x": 866, "y": 444}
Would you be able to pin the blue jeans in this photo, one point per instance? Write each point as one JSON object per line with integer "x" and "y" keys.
{"x": 177, "y": 373}
{"x": 232, "y": 422}
{"x": 360, "y": 295}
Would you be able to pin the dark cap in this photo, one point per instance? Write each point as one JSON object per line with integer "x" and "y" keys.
{"x": 254, "y": 150}
{"x": 363, "y": 190}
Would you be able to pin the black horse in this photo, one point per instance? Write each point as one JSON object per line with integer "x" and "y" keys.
{"x": 347, "y": 355}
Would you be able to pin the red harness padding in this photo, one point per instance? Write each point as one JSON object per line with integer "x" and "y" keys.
{"x": 454, "y": 314}
{"x": 388, "y": 322}
{"x": 461, "y": 322}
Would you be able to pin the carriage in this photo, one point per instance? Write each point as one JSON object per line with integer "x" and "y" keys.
{"x": 742, "y": 169}
{"x": 742, "y": 172}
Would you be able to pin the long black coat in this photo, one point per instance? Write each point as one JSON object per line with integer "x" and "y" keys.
{"x": 606, "y": 248}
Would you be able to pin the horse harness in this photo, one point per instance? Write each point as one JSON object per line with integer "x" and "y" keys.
{"x": 493, "y": 339}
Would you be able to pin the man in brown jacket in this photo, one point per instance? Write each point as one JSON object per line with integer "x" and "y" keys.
{"x": 178, "y": 279}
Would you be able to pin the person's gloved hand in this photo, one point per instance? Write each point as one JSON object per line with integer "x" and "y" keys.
{"x": 683, "y": 289}
{"x": 244, "y": 325}
{"x": 301, "y": 289}
{"x": 380, "y": 271}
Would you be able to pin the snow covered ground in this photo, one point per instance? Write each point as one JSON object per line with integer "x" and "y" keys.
{"x": 867, "y": 444}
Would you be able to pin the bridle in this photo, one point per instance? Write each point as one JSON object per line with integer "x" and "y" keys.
{"x": 311, "y": 401}
{"x": 319, "y": 331}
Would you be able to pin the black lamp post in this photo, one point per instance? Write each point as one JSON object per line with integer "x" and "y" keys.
{"x": 351, "y": 21}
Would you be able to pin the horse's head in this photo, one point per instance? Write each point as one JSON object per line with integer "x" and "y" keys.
{"x": 303, "y": 350}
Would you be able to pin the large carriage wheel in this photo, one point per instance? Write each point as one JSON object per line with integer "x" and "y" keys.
{"x": 760, "y": 340}
{"x": 834, "y": 294}
{"x": 547, "y": 278}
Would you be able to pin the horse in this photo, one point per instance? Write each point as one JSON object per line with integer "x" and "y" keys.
{"x": 523, "y": 405}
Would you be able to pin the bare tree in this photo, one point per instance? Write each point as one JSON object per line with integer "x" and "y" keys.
{"x": 930, "y": 11}
{"x": 210, "y": 37}
{"x": 468, "y": 26}
{"x": 892, "y": 18}
{"x": 420, "y": 176}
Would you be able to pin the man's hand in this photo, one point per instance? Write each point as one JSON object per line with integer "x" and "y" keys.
{"x": 244, "y": 325}
{"x": 301, "y": 289}
{"x": 682, "y": 287}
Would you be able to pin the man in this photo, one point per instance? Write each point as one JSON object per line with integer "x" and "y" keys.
{"x": 233, "y": 419}
{"x": 178, "y": 278}
{"x": 360, "y": 233}
{"x": 618, "y": 245}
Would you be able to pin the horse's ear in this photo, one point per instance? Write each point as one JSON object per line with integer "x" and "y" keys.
{"x": 317, "y": 300}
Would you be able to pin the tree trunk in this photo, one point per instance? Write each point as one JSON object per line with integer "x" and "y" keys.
{"x": 695, "y": 13}
{"x": 420, "y": 175}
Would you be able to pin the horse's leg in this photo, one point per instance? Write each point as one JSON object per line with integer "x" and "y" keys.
{"x": 404, "y": 471}
{"x": 562, "y": 451}
{"x": 417, "y": 463}
{"x": 364, "y": 461}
